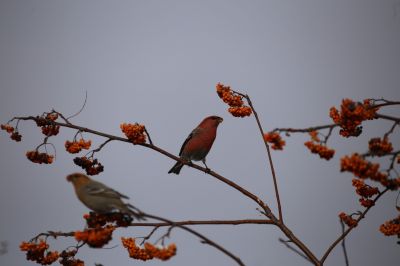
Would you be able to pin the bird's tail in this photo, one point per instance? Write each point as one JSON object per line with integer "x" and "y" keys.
{"x": 176, "y": 169}
{"x": 135, "y": 212}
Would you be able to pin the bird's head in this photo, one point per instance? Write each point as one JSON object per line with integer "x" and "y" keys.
{"x": 78, "y": 178}
{"x": 211, "y": 121}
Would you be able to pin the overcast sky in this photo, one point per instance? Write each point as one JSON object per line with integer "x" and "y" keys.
{"x": 157, "y": 63}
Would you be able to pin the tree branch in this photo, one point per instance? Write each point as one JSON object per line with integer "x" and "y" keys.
{"x": 343, "y": 235}
{"x": 232, "y": 184}
{"x": 205, "y": 240}
{"x": 207, "y": 222}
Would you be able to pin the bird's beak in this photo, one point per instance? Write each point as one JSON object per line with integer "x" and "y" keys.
{"x": 220, "y": 120}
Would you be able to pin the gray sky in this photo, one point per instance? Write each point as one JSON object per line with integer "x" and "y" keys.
{"x": 157, "y": 63}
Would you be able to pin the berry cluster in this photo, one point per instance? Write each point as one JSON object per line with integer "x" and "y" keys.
{"x": 39, "y": 157}
{"x": 67, "y": 259}
{"x": 14, "y": 135}
{"x": 77, "y": 146}
{"x": 235, "y": 101}
{"x": 95, "y": 237}
{"x": 316, "y": 146}
{"x": 322, "y": 150}
{"x": 149, "y": 251}
{"x": 347, "y": 219}
{"x": 134, "y": 132}
{"x": 379, "y": 146}
{"x": 365, "y": 191}
{"x": 46, "y": 123}
{"x": 351, "y": 116}
{"x": 362, "y": 168}
{"x": 94, "y": 220}
{"x": 50, "y": 130}
{"x": 275, "y": 139}
{"x": 36, "y": 252}
{"x": 91, "y": 166}
{"x": 391, "y": 227}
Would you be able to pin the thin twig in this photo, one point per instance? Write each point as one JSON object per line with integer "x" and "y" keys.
{"x": 343, "y": 235}
{"x": 148, "y": 135}
{"x": 100, "y": 147}
{"x": 286, "y": 243}
{"x": 328, "y": 135}
{"x": 305, "y": 130}
{"x": 269, "y": 157}
{"x": 204, "y": 239}
{"x": 150, "y": 234}
{"x": 207, "y": 222}
{"x": 80, "y": 110}
{"x": 387, "y": 117}
{"x": 346, "y": 258}
{"x": 385, "y": 103}
{"x": 396, "y": 123}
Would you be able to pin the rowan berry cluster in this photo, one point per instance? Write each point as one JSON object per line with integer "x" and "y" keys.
{"x": 149, "y": 251}
{"x": 134, "y": 132}
{"x": 46, "y": 123}
{"x": 39, "y": 252}
{"x": 14, "y": 134}
{"x": 348, "y": 220}
{"x": 91, "y": 166}
{"x": 235, "y": 101}
{"x": 94, "y": 220}
{"x": 95, "y": 237}
{"x": 315, "y": 146}
{"x": 77, "y": 146}
{"x": 365, "y": 191}
{"x": 379, "y": 147}
{"x": 67, "y": 259}
{"x": 39, "y": 157}
{"x": 362, "y": 168}
{"x": 322, "y": 150}
{"x": 50, "y": 130}
{"x": 391, "y": 227}
{"x": 275, "y": 139}
{"x": 351, "y": 115}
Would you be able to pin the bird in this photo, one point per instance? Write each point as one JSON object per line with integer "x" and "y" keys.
{"x": 101, "y": 198}
{"x": 198, "y": 143}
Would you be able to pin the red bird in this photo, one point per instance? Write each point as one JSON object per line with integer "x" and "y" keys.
{"x": 198, "y": 143}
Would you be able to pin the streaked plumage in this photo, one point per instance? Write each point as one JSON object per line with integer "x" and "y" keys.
{"x": 99, "y": 197}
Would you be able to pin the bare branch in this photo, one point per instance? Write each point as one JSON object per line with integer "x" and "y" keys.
{"x": 80, "y": 110}
{"x": 305, "y": 130}
{"x": 343, "y": 235}
{"x": 207, "y": 222}
{"x": 286, "y": 243}
{"x": 204, "y": 239}
{"x": 387, "y": 117}
{"x": 346, "y": 258}
{"x": 269, "y": 157}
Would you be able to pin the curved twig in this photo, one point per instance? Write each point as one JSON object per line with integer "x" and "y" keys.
{"x": 205, "y": 240}
{"x": 80, "y": 110}
{"x": 342, "y": 236}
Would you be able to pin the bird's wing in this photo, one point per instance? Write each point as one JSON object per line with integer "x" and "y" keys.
{"x": 98, "y": 189}
{"x": 194, "y": 132}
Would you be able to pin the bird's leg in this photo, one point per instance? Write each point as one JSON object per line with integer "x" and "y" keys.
{"x": 208, "y": 170}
